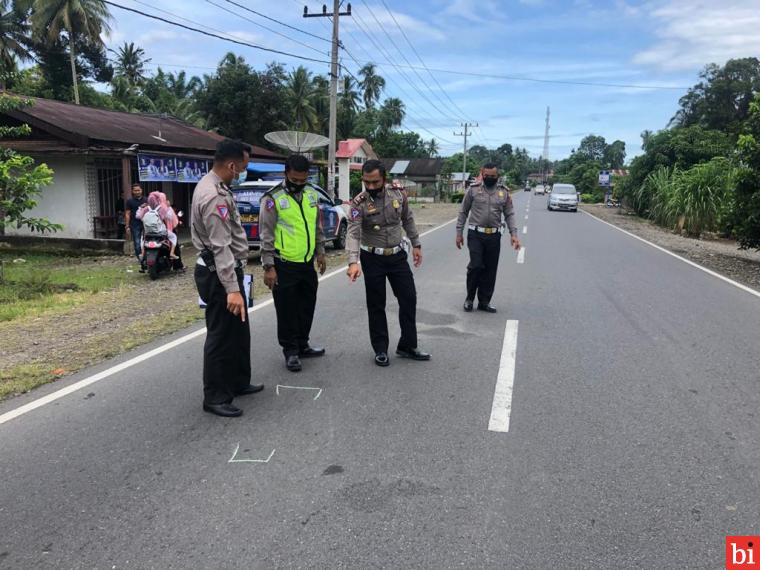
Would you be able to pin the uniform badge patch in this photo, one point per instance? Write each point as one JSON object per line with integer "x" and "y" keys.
{"x": 224, "y": 212}
{"x": 284, "y": 203}
{"x": 270, "y": 205}
{"x": 501, "y": 193}
{"x": 395, "y": 204}
{"x": 355, "y": 213}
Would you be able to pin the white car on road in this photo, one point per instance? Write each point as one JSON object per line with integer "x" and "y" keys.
{"x": 563, "y": 197}
{"x": 539, "y": 189}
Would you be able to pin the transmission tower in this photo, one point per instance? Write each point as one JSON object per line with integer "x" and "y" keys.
{"x": 545, "y": 157}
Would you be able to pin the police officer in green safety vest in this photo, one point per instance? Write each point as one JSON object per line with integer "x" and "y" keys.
{"x": 290, "y": 229}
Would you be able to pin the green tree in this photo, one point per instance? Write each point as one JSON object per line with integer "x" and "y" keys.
{"x": 130, "y": 63}
{"x": 614, "y": 155}
{"x": 392, "y": 113}
{"x": 433, "y": 149}
{"x": 372, "y": 84}
{"x": 747, "y": 217}
{"x": 21, "y": 181}
{"x": 592, "y": 147}
{"x": 86, "y": 18}
{"x": 14, "y": 42}
{"x": 722, "y": 99}
{"x": 299, "y": 92}
{"x": 399, "y": 144}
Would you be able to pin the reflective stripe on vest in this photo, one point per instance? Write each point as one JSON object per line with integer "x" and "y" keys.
{"x": 295, "y": 234}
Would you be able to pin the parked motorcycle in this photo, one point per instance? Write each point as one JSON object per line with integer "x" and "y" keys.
{"x": 157, "y": 260}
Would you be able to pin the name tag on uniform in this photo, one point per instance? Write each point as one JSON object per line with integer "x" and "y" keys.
{"x": 395, "y": 204}
{"x": 284, "y": 203}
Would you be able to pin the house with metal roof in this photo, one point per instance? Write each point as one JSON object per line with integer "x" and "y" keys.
{"x": 421, "y": 177}
{"x": 96, "y": 155}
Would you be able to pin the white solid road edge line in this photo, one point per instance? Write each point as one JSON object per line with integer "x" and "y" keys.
{"x": 58, "y": 394}
{"x": 502, "y": 396}
{"x": 689, "y": 262}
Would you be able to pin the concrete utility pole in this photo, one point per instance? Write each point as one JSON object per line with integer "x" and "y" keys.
{"x": 333, "y": 134}
{"x": 464, "y": 156}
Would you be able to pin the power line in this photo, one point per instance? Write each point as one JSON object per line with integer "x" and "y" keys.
{"x": 279, "y": 22}
{"x": 267, "y": 28}
{"x": 205, "y": 33}
{"x": 390, "y": 39}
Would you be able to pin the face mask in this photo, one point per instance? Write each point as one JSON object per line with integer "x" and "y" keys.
{"x": 490, "y": 181}
{"x": 238, "y": 177}
{"x": 293, "y": 187}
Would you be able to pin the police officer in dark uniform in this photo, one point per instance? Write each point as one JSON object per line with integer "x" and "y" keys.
{"x": 290, "y": 227}
{"x": 485, "y": 202}
{"x": 219, "y": 236}
{"x": 376, "y": 218}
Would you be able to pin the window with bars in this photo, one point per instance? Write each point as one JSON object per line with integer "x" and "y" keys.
{"x": 108, "y": 176}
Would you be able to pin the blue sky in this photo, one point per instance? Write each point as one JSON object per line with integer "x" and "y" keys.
{"x": 652, "y": 45}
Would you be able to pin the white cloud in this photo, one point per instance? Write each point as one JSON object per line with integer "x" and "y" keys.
{"x": 369, "y": 16}
{"x": 691, "y": 36}
{"x": 477, "y": 11}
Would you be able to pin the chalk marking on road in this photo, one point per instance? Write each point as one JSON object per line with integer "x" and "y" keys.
{"x": 58, "y": 394}
{"x": 234, "y": 455}
{"x": 525, "y": 229}
{"x": 687, "y": 261}
{"x": 502, "y": 396}
{"x": 526, "y": 216}
{"x": 521, "y": 255}
{"x": 319, "y": 390}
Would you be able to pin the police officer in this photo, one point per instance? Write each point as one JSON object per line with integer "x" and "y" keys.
{"x": 290, "y": 226}
{"x": 485, "y": 202}
{"x": 219, "y": 236}
{"x": 374, "y": 236}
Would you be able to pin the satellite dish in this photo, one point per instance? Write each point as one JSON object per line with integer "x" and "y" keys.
{"x": 296, "y": 141}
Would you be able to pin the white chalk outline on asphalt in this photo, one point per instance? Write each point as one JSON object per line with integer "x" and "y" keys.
{"x": 525, "y": 230}
{"x": 233, "y": 460}
{"x": 526, "y": 216}
{"x": 670, "y": 253}
{"x": 277, "y": 389}
{"x": 502, "y": 396}
{"x": 58, "y": 394}
{"x": 521, "y": 255}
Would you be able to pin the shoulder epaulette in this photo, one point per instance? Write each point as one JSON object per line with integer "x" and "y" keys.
{"x": 359, "y": 198}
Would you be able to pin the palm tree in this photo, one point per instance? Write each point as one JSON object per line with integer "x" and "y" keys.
{"x": 300, "y": 95}
{"x": 392, "y": 113}
{"x": 372, "y": 85}
{"x": 14, "y": 42}
{"x": 182, "y": 87}
{"x": 321, "y": 88}
{"x": 433, "y": 149}
{"x": 349, "y": 97}
{"x": 131, "y": 62}
{"x": 88, "y": 18}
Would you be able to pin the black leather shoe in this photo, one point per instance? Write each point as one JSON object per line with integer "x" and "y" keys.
{"x": 487, "y": 308}
{"x": 381, "y": 359}
{"x": 293, "y": 363}
{"x": 467, "y": 305}
{"x": 311, "y": 352}
{"x": 414, "y": 354}
{"x": 251, "y": 389}
{"x": 224, "y": 410}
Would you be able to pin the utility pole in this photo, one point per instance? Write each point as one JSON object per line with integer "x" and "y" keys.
{"x": 464, "y": 134}
{"x": 333, "y": 134}
{"x": 545, "y": 161}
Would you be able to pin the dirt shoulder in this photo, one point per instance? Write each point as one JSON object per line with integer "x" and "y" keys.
{"x": 96, "y": 326}
{"x": 720, "y": 255}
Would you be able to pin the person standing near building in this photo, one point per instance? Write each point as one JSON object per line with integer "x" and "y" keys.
{"x": 376, "y": 219}
{"x": 290, "y": 226}
{"x": 485, "y": 203}
{"x": 134, "y": 226}
{"x": 220, "y": 238}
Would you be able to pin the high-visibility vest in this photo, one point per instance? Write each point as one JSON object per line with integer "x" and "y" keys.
{"x": 296, "y": 231}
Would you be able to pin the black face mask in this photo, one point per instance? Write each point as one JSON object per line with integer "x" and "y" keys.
{"x": 293, "y": 187}
{"x": 490, "y": 181}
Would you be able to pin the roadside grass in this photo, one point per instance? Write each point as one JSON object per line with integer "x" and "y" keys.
{"x": 34, "y": 283}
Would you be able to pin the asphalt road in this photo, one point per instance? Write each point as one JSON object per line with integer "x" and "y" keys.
{"x": 632, "y": 442}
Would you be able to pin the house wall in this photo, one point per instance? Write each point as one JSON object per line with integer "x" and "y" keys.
{"x": 66, "y": 201}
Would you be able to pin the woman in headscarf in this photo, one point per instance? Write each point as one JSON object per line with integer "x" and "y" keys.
{"x": 157, "y": 200}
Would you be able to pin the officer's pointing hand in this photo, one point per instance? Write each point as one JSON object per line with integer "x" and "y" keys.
{"x": 322, "y": 264}
{"x": 516, "y": 243}
{"x": 460, "y": 241}
{"x": 236, "y": 304}
{"x": 354, "y": 272}
{"x": 270, "y": 278}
